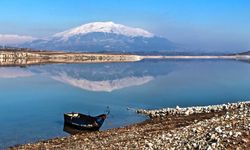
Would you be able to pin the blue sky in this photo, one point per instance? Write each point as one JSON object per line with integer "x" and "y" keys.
{"x": 204, "y": 24}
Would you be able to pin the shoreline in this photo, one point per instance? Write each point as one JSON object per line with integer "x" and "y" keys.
{"x": 30, "y": 57}
{"x": 26, "y": 58}
{"x": 225, "y": 126}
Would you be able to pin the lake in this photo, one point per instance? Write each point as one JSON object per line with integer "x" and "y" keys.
{"x": 34, "y": 99}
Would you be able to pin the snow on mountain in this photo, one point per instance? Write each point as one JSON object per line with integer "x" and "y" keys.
{"x": 105, "y": 27}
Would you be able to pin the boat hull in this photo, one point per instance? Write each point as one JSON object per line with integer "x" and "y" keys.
{"x": 78, "y": 127}
{"x": 82, "y": 122}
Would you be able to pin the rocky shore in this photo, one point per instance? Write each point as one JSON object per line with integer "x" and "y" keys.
{"x": 224, "y": 126}
{"x": 192, "y": 110}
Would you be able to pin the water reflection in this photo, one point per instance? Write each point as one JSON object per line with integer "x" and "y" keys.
{"x": 14, "y": 73}
{"x": 68, "y": 129}
{"x": 95, "y": 77}
{"x": 245, "y": 61}
{"x": 105, "y": 77}
{"x": 105, "y": 85}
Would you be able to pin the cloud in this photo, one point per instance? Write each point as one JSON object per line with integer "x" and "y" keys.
{"x": 7, "y": 39}
{"x": 14, "y": 73}
{"x": 107, "y": 85}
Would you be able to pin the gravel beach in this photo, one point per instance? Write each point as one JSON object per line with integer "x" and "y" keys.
{"x": 224, "y": 126}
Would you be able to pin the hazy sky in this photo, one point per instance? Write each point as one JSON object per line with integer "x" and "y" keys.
{"x": 215, "y": 25}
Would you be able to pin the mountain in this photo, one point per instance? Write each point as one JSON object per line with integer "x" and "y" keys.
{"x": 103, "y": 36}
{"x": 244, "y": 53}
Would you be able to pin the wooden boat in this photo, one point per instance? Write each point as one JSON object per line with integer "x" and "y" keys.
{"x": 71, "y": 130}
{"x": 84, "y": 122}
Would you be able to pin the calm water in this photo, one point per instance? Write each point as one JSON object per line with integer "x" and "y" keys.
{"x": 33, "y": 99}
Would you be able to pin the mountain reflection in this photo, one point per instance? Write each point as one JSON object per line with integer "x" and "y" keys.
{"x": 106, "y": 85}
{"x": 107, "y": 77}
{"x": 96, "y": 77}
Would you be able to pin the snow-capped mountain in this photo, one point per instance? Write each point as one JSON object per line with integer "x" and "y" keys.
{"x": 104, "y": 27}
{"x": 103, "y": 36}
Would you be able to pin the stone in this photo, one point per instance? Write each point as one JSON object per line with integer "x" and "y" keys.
{"x": 213, "y": 145}
{"x": 148, "y": 144}
{"x": 209, "y": 147}
{"x": 218, "y": 129}
{"x": 245, "y": 140}
{"x": 230, "y": 133}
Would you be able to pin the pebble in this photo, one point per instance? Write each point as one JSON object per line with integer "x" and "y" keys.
{"x": 218, "y": 129}
{"x": 149, "y": 144}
